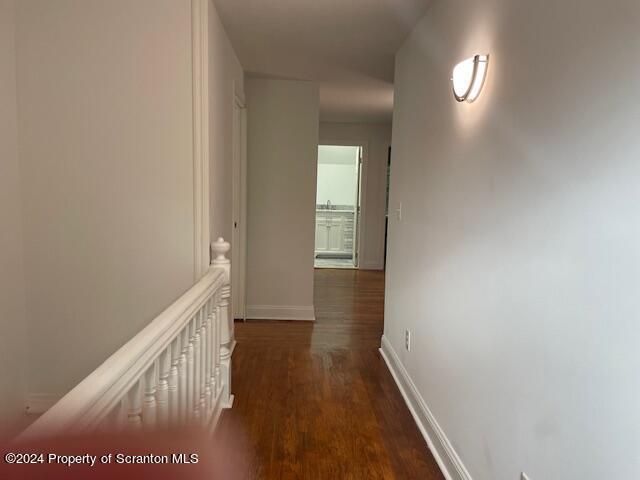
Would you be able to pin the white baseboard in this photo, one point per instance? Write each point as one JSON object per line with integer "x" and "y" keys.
{"x": 280, "y": 312}
{"x": 371, "y": 266}
{"x": 38, "y": 403}
{"x": 440, "y": 446}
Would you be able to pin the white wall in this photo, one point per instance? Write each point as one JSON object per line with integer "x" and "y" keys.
{"x": 225, "y": 77}
{"x": 105, "y": 128}
{"x": 337, "y": 175}
{"x": 282, "y": 154}
{"x": 12, "y": 288}
{"x": 516, "y": 264}
{"x": 377, "y": 139}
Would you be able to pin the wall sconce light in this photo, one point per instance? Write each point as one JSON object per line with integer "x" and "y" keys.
{"x": 468, "y": 78}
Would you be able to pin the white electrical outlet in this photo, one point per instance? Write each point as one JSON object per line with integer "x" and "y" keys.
{"x": 399, "y": 211}
{"x": 407, "y": 340}
{"x": 524, "y": 476}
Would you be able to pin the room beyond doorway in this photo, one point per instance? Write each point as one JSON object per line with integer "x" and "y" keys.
{"x": 338, "y": 209}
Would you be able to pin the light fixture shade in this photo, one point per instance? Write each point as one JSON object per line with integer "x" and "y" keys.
{"x": 468, "y": 78}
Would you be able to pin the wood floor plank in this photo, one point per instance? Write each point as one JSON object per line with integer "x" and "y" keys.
{"x": 316, "y": 400}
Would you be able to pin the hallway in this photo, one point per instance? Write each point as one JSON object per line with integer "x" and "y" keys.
{"x": 317, "y": 400}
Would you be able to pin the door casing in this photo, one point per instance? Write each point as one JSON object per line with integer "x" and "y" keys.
{"x": 239, "y": 216}
{"x": 360, "y": 231}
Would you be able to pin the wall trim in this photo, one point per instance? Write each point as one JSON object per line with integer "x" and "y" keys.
{"x": 440, "y": 446}
{"x": 200, "y": 79}
{"x": 38, "y": 403}
{"x": 281, "y": 312}
{"x": 239, "y": 204}
{"x": 371, "y": 265}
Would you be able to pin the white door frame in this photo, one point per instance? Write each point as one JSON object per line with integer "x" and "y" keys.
{"x": 364, "y": 144}
{"x": 239, "y": 214}
{"x": 200, "y": 106}
{"x": 357, "y": 215}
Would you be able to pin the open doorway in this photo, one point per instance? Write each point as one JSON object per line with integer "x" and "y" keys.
{"x": 338, "y": 200}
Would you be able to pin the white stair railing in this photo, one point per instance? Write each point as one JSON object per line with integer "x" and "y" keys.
{"x": 175, "y": 372}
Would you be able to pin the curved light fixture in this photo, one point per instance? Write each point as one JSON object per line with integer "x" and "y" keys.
{"x": 468, "y": 78}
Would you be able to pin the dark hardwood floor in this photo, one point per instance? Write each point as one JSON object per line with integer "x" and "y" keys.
{"x": 316, "y": 401}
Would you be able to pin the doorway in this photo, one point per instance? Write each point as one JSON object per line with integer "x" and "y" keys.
{"x": 338, "y": 206}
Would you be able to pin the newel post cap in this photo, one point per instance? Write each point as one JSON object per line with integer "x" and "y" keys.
{"x": 219, "y": 248}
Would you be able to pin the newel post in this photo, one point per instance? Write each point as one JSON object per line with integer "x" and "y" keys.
{"x": 219, "y": 249}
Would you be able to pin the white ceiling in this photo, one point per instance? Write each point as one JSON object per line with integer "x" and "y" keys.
{"x": 348, "y": 46}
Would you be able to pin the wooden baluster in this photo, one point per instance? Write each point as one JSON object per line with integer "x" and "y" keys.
{"x": 172, "y": 382}
{"x": 149, "y": 404}
{"x": 134, "y": 420}
{"x": 183, "y": 387}
{"x": 217, "y": 348}
{"x": 220, "y": 248}
{"x": 204, "y": 332}
{"x": 207, "y": 370}
{"x": 214, "y": 346}
{"x": 197, "y": 353}
{"x": 190, "y": 371}
{"x": 162, "y": 390}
